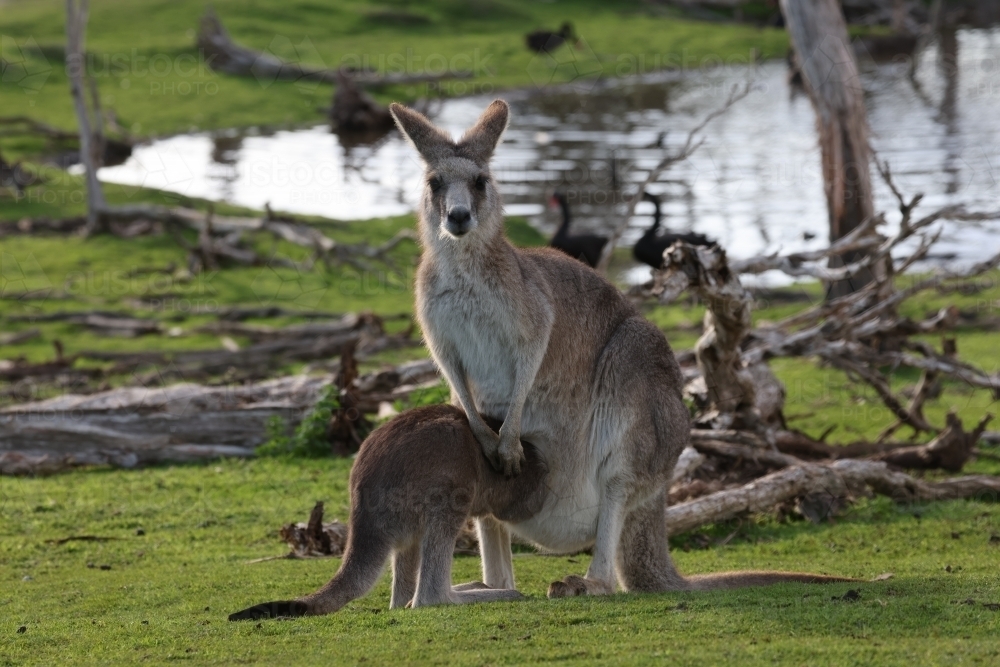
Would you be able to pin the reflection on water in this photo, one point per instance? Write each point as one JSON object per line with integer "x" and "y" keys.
{"x": 755, "y": 184}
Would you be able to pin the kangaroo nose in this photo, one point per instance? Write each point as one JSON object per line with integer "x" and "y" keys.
{"x": 458, "y": 220}
{"x": 459, "y": 215}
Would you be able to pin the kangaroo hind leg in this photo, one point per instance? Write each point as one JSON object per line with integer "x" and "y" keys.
{"x": 494, "y": 549}
{"x": 405, "y": 568}
{"x": 437, "y": 548}
{"x": 644, "y": 563}
{"x": 600, "y": 578}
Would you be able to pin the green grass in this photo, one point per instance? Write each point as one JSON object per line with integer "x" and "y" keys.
{"x": 149, "y": 71}
{"x": 202, "y": 523}
{"x": 168, "y": 592}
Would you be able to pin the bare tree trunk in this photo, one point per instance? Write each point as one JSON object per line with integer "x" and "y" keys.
{"x": 819, "y": 35}
{"x": 76, "y": 66}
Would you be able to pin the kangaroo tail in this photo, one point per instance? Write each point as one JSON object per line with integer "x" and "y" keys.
{"x": 364, "y": 559}
{"x": 748, "y": 578}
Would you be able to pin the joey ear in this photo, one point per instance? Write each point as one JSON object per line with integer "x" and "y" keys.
{"x": 430, "y": 142}
{"x": 479, "y": 142}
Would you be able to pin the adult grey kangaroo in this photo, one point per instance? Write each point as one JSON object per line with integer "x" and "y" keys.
{"x": 544, "y": 344}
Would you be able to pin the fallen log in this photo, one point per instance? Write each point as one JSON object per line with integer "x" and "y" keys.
{"x": 948, "y": 451}
{"x": 226, "y": 56}
{"x": 141, "y": 418}
{"x": 133, "y": 426}
{"x": 45, "y": 462}
{"x": 19, "y": 336}
{"x": 759, "y": 456}
{"x": 220, "y": 238}
{"x": 18, "y": 369}
{"x": 258, "y": 332}
{"x": 129, "y": 327}
{"x": 833, "y": 481}
{"x": 303, "y": 343}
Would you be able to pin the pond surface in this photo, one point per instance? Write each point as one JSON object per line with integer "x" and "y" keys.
{"x": 754, "y": 184}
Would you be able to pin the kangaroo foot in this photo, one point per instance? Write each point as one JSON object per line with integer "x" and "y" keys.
{"x": 277, "y": 609}
{"x": 573, "y": 585}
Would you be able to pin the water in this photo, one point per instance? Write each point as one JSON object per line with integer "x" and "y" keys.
{"x": 754, "y": 184}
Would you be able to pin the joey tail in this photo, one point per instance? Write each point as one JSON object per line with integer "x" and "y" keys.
{"x": 364, "y": 560}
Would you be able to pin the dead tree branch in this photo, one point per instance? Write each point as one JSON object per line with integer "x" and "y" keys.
{"x": 834, "y": 481}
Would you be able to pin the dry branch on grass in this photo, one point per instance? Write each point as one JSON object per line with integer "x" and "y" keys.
{"x": 271, "y": 350}
{"x": 860, "y": 333}
{"x": 226, "y": 56}
{"x": 832, "y": 481}
{"x": 138, "y": 425}
{"x": 220, "y": 239}
{"x": 321, "y": 539}
{"x": 315, "y": 538}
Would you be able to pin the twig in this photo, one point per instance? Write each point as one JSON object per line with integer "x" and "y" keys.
{"x": 82, "y": 538}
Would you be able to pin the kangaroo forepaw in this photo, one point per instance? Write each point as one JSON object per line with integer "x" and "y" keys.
{"x": 277, "y": 609}
{"x": 573, "y": 586}
{"x": 511, "y": 455}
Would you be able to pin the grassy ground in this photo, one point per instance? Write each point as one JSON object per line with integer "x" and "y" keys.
{"x": 150, "y": 73}
{"x": 167, "y": 593}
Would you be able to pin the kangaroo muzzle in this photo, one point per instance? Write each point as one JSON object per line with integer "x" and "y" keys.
{"x": 459, "y": 221}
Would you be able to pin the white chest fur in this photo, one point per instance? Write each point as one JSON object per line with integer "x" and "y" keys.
{"x": 468, "y": 320}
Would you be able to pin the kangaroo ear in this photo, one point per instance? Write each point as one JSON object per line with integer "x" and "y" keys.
{"x": 479, "y": 142}
{"x": 430, "y": 142}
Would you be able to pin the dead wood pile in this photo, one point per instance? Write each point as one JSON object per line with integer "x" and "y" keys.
{"x": 753, "y": 461}
{"x": 271, "y": 349}
{"x": 138, "y": 425}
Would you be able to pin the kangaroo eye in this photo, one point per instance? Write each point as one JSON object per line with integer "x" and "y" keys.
{"x": 480, "y": 182}
{"x": 435, "y": 183}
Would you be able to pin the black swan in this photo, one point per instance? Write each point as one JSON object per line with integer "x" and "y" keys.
{"x": 649, "y": 249}
{"x": 546, "y": 41}
{"x": 584, "y": 247}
